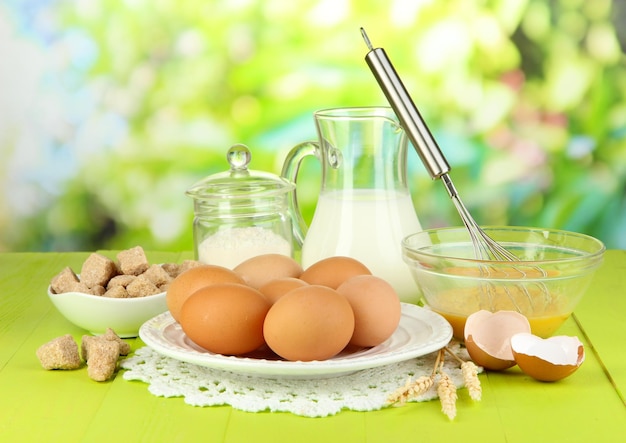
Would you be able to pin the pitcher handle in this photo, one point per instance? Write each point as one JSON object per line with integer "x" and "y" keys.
{"x": 291, "y": 166}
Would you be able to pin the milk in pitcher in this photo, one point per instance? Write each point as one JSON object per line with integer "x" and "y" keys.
{"x": 368, "y": 225}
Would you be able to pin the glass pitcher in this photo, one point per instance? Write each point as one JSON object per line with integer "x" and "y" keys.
{"x": 364, "y": 207}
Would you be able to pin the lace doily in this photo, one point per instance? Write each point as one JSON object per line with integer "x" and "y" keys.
{"x": 366, "y": 390}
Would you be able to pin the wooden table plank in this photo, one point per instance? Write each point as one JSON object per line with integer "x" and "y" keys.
{"x": 582, "y": 407}
{"x": 602, "y": 316}
{"x": 67, "y": 406}
{"x": 23, "y": 300}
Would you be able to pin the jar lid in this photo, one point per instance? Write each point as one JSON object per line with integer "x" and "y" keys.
{"x": 239, "y": 181}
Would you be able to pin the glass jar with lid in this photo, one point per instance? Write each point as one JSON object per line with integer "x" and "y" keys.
{"x": 241, "y": 213}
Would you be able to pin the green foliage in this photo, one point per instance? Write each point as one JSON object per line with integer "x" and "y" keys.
{"x": 524, "y": 96}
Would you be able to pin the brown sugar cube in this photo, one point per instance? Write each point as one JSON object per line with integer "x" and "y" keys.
{"x": 97, "y": 290}
{"x": 133, "y": 261}
{"x": 80, "y": 287}
{"x": 112, "y": 336}
{"x": 97, "y": 270}
{"x": 188, "y": 264}
{"x": 141, "y": 287}
{"x": 164, "y": 287}
{"x": 63, "y": 281}
{"x": 171, "y": 268}
{"x": 59, "y": 353}
{"x": 84, "y": 345}
{"x": 157, "y": 275}
{"x": 102, "y": 362}
{"x": 116, "y": 292}
{"x": 120, "y": 280}
{"x": 109, "y": 335}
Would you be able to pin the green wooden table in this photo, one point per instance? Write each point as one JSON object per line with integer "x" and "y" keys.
{"x": 50, "y": 406}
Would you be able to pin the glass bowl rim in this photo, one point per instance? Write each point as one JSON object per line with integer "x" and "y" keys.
{"x": 597, "y": 253}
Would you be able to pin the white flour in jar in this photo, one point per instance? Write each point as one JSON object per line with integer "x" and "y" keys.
{"x": 229, "y": 247}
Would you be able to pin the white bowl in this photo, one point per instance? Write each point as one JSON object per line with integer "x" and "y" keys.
{"x": 96, "y": 313}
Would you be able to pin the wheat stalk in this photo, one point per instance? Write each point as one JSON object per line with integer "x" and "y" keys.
{"x": 411, "y": 389}
{"x": 416, "y": 387}
{"x": 470, "y": 376}
{"x": 447, "y": 395}
{"x": 446, "y": 389}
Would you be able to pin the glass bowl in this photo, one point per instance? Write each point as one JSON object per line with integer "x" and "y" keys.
{"x": 553, "y": 273}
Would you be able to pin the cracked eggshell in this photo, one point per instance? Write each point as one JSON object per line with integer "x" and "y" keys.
{"x": 549, "y": 359}
{"x": 488, "y": 337}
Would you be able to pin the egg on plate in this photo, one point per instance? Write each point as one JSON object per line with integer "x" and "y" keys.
{"x": 193, "y": 279}
{"x": 333, "y": 271}
{"x": 274, "y": 289}
{"x": 312, "y": 322}
{"x": 376, "y": 308}
{"x": 225, "y": 318}
{"x": 261, "y": 269}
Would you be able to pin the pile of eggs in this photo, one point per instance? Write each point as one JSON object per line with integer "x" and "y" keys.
{"x": 300, "y": 314}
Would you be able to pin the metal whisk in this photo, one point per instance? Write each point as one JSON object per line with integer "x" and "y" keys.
{"x": 485, "y": 248}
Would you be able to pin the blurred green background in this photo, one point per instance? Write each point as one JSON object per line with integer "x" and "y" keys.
{"x": 111, "y": 109}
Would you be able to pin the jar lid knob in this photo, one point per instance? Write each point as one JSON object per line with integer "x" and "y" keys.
{"x": 238, "y": 157}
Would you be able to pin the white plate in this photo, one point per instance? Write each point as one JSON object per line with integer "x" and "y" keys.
{"x": 420, "y": 332}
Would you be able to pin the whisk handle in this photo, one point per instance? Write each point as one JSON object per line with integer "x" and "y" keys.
{"x": 408, "y": 114}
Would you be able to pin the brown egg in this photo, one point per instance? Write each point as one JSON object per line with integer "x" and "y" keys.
{"x": 333, "y": 271}
{"x": 225, "y": 318}
{"x": 376, "y": 308}
{"x": 309, "y": 323}
{"x": 278, "y": 287}
{"x": 488, "y": 337}
{"x": 257, "y": 271}
{"x": 193, "y": 279}
{"x": 549, "y": 359}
